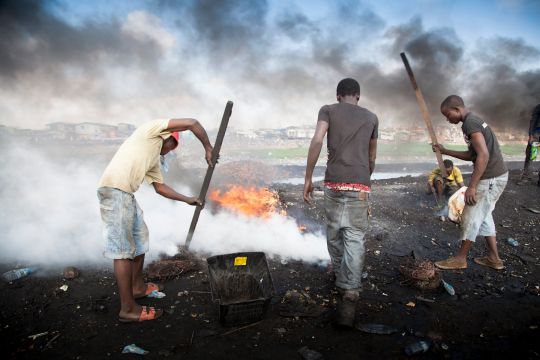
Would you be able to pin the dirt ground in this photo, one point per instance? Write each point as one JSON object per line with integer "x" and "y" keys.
{"x": 494, "y": 314}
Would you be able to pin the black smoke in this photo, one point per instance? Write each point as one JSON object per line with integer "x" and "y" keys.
{"x": 287, "y": 61}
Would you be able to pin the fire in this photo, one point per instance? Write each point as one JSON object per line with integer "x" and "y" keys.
{"x": 248, "y": 201}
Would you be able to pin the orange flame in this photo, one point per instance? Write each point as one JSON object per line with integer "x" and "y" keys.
{"x": 248, "y": 201}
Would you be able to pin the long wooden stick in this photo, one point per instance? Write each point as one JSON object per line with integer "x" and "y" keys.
{"x": 425, "y": 113}
{"x": 210, "y": 170}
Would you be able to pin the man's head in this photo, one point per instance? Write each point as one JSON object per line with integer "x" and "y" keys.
{"x": 449, "y": 165}
{"x": 348, "y": 88}
{"x": 453, "y": 108}
{"x": 170, "y": 143}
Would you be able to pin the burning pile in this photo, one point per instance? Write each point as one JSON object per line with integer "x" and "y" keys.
{"x": 250, "y": 202}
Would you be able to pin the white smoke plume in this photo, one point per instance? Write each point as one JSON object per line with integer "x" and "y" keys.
{"x": 50, "y": 216}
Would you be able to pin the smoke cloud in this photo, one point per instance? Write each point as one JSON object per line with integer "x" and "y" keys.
{"x": 279, "y": 64}
{"x": 50, "y": 216}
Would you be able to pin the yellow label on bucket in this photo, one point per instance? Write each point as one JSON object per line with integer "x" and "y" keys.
{"x": 240, "y": 261}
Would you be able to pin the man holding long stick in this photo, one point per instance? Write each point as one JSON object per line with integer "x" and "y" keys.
{"x": 488, "y": 181}
{"x": 124, "y": 229}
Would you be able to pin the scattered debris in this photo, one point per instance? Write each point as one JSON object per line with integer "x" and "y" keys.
{"x": 35, "y": 336}
{"x": 420, "y": 274}
{"x": 164, "y": 270}
{"x": 449, "y": 288}
{"x": 49, "y": 343}
{"x": 134, "y": 349}
{"x": 17, "y": 274}
{"x": 64, "y": 287}
{"x": 420, "y": 298}
{"x": 308, "y": 354}
{"x": 379, "y": 329}
{"x": 298, "y": 304}
{"x": 71, "y": 272}
{"x": 410, "y": 304}
{"x": 418, "y": 347}
{"x": 156, "y": 295}
{"x": 512, "y": 241}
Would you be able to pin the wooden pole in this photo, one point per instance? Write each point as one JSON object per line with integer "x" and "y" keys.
{"x": 425, "y": 113}
{"x": 210, "y": 170}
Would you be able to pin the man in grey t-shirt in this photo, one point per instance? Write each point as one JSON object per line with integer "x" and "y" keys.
{"x": 352, "y": 145}
{"x": 487, "y": 183}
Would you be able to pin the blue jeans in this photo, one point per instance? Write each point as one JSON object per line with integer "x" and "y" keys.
{"x": 124, "y": 230}
{"x": 347, "y": 218}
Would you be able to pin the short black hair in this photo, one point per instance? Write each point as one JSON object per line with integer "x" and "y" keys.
{"x": 348, "y": 86}
{"x": 448, "y": 163}
{"x": 453, "y": 101}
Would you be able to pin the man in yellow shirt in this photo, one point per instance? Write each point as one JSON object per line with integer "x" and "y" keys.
{"x": 448, "y": 185}
{"x": 124, "y": 229}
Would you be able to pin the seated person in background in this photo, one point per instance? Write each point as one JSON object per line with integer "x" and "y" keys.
{"x": 448, "y": 185}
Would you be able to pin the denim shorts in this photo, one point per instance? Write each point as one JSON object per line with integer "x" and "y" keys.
{"x": 124, "y": 230}
{"x": 477, "y": 219}
{"x": 347, "y": 219}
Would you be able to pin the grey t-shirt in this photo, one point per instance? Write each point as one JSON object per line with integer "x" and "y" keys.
{"x": 350, "y": 128}
{"x": 495, "y": 166}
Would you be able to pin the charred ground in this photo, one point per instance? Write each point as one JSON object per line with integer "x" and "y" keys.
{"x": 493, "y": 314}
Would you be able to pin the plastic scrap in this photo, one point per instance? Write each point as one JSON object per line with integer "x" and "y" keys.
{"x": 379, "y": 329}
{"x": 35, "y": 336}
{"x": 512, "y": 241}
{"x": 418, "y": 347}
{"x": 16, "y": 274}
{"x": 456, "y": 204}
{"x": 64, "y": 287}
{"x": 156, "y": 294}
{"x": 134, "y": 349}
{"x": 449, "y": 288}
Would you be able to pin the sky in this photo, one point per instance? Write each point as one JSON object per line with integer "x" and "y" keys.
{"x": 278, "y": 61}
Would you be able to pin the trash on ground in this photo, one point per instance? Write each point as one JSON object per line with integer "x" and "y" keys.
{"x": 512, "y": 241}
{"x": 308, "y": 354}
{"x": 16, "y": 274}
{"x": 449, "y": 288}
{"x": 156, "y": 294}
{"x": 35, "y": 336}
{"x": 71, "y": 272}
{"x": 420, "y": 274}
{"x": 410, "y": 304}
{"x": 379, "y": 329}
{"x": 164, "y": 270}
{"x": 134, "y": 349}
{"x": 298, "y": 303}
{"x": 536, "y": 211}
{"x": 418, "y": 347}
{"x": 64, "y": 287}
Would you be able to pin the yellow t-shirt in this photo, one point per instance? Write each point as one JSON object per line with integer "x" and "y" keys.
{"x": 137, "y": 159}
{"x": 453, "y": 179}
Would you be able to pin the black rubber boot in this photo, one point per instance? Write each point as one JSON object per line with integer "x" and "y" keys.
{"x": 346, "y": 309}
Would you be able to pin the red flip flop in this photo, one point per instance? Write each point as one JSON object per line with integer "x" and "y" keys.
{"x": 147, "y": 313}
